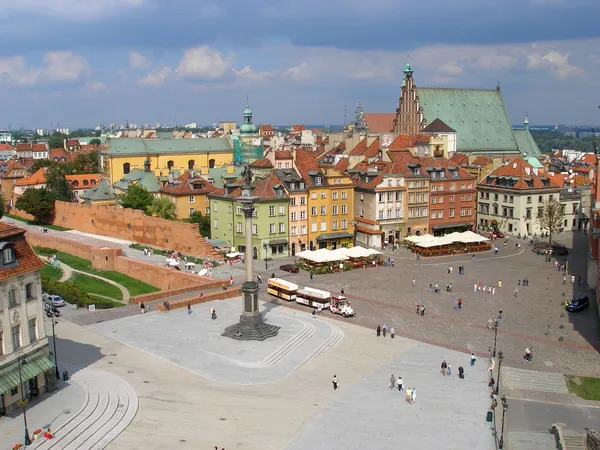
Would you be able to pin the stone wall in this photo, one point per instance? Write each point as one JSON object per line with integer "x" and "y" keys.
{"x": 131, "y": 225}
{"x": 217, "y": 295}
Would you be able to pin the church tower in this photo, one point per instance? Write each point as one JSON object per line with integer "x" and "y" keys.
{"x": 409, "y": 114}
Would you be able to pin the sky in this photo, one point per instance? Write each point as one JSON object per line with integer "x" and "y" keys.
{"x": 79, "y": 63}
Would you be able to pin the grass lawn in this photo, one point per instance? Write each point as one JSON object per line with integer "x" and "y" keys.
{"x": 133, "y": 286}
{"x": 39, "y": 224}
{"x": 584, "y": 387}
{"x": 95, "y": 286}
{"x": 52, "y": 272}
{"x": 114, "y": 303}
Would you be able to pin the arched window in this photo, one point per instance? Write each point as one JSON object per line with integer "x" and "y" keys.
{"x": 75, "y": 183}
{"x": 211, "y": 163}
{"x": 126, "y": 168}
{"x": 93, "y": 182}
{"x": 170, "y": 164}
{"x": 86, "y": 182}
{"x": 191, "y": 163}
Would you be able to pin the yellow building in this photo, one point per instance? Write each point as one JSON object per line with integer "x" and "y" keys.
{"x": 188, "y": 192}
{"x": 297, "y": 191}
{"x": 125, "y": 154}
{"x": 330, "y": 201}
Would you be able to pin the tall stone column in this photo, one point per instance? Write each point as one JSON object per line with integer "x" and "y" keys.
{"x": 251, "y": 325}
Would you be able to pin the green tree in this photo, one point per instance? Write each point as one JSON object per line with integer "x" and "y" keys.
{"x": 202, "y": 221}
{"x": 37, "y": 202}
{"x": 551, "y": 216}
{"x": 86, "y": 163}
{"x": 162, "y": 207}
{"x": 2, "y": 206}
{"x": 95, "y": 141}
{"x": 41, "y": 163}
{"x": 136, "y": 197}
{"x": 57, "y": 140}
{"x": 58, "y": 185}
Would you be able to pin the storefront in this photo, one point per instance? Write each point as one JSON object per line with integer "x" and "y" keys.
{"x": 333, "y": 241}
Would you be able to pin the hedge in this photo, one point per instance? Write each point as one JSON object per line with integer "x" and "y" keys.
{"x": 72, "y": 294}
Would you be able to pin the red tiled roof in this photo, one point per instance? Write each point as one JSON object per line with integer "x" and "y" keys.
{"x": 481, "y": 161}
{"x": 263, "y": 188}
{"x": 28, "y": 146}
{"x": 306, "y": 161}
{"x": 445, "y": 163}
{"x": 360, "y": 148}
{"x": 262, "y": 163}
{"x": 27, "y": 259}
{"x": 73, "y": 142}
{"x": 184, "y": 185}
{"x": 11, "y": 165}
{"x": 84, "y": 181}
{"x": 297, "y": 128}
{"x": 402, "y": 142}
{"x": 38, "y": 177}
{"x": 342, "y": 164}
{"x": 380, "y": 122}
{"x": 56, "y": 154}
{"x": 283, "y": 154}
{"x": 267, "y": 128}
{"x": 459, "y": 159}
{"x": 4, "y": 147}
{"x": 518, "y": 168}
{"x": 437, "y": 126}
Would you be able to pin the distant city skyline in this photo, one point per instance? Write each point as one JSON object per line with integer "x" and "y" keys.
{"x": 146, "y": 61}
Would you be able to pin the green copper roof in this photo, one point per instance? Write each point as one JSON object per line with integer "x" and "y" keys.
{"x": 408, "y": 68}
{"x": 526, "y": 144}
{"x": 216, "y": 174}
{"x": 247, "y": 111}
{"x": 534, "y": 162}
{"x": 248, "y": 128}
{"x": 478, "y": 116}
{"x": 138, "y": 146}
{"x": 139, "y": 177}
{"x": 101, "y": 192}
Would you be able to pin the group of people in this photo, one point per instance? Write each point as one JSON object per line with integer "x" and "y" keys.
{"x": 398, "y": 383}
{"x": 420, "y": 310}
{"x": 383, "y": 330}
{"x": 478, "y": 287}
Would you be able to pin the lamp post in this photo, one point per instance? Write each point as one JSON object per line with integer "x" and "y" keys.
{"x": 23, "y": 402}
{"x": 354, "y": 233}
{"x": 500, "y": 358}
{"x": 55, "y": 355}
{"x": 496, "y": 325}
{"x": 504, "y": 408}
{"x": 266, "y": 248}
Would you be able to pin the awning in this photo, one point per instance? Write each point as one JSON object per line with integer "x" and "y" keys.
{"x": 278, "y": 241}
{"x": 451, "y": 225}
{"x": 35, "y": 365}
{"x": 336, "y": 235}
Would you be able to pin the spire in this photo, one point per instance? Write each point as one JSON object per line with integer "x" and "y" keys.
{"x": 407, "y": 67}
{"x": 526, "y": 123}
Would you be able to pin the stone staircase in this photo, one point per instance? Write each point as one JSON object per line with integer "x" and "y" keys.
{"x": 574, "y": 440}
{"x": 530, "y": 441}
{"x": 512, "y": 378}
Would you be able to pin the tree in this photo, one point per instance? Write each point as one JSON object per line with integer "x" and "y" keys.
{"x": 2, "y": 206}
{"x": 41, "y": 163}
{"x": 136, "y": 197}
{"x": 162, "y": 207}
{"x": 37, "y": 202}
{"x": 86, "y": 163}
{"x": 57, "y": 184}
{"x": 551, "y": 216}
{"x": 57, "y": 140}
{"x": 95, "y": 141}
{"x": 202, "y": 221}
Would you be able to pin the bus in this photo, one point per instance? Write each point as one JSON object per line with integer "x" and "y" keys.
{"x": 313, "y": 297}
{"x": 282, "y": 289}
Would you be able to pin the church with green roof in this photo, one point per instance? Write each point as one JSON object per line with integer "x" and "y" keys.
{"x": 478, "y": 116}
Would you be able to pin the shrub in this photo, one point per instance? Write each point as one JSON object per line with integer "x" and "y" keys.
{"x": 45, "y": 250}
{"x": 72, "y": 294}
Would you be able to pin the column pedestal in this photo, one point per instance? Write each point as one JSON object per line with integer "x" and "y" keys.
{"x": 251, "y": 326}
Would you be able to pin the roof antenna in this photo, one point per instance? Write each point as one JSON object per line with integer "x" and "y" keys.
{"x": 498, "y": 86}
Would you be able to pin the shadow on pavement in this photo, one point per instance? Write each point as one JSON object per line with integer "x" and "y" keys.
{"x": 74, "y": 354}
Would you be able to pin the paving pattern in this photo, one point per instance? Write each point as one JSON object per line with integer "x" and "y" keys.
{"x": 176, "y": 335}
{"x": 512, "y": 378}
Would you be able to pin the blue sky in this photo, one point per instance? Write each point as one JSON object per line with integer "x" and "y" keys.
{"x": 85, "y": 62}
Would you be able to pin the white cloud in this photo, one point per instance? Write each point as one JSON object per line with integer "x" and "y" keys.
{"x": 204, "y": 62}
{"x": 557, "y": 62}
{"x": 96, "y": 86}
{"x": 249, "y": 75}
{"x": 137, "y": 61}
{"x": 59, "y": 68}
{"x": 71, "y": 9}
{"x": 157, "y": 77}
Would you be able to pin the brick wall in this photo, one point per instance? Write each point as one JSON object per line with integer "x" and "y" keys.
{"x": 132, "y": 225}
{"x": 218, "y": 295}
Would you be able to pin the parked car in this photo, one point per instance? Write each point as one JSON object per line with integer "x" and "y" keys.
{"x": 499, "y": 234}
{"x": 578, "y": 304}
{"x": 289, "y": 268}
{"x": 54, "y": 300}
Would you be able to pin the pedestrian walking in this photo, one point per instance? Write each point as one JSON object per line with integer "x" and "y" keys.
{"x": 414, "y": 282}
{"x": 213, "y": 314}
{"x": 311, "y": 274}
{"x": 489, "y": 289}
{"x": 444, "y": 367}
{"x": 460, "y": 303}
{"x": 565, "y": 279}
{"x": 572, "y": 279}
{"x": 418, "y": 310}
{"x": 499, "y": 284}
{"x": 400, "y": 384}
{"x": 516, "y": 292}
{"x": 230, "y": 280}
{"x": 409, "y": 395}
{"x": 422, "y": 310}
{"x": 548, "y": 331}
{"x": 414, "y": 395}
{"x": 392, "y": 382}
{"x": 392, "y": 333}
{"x": 189, "y": 308}
{"x": 475, "y": 287}
{"x": 455, "y": 304}
{"x": 259, "y": 278}
{"x": 335, "y": 383}
{"x": 473, "y": 359}
{"x": 384, "y": 329}
{"x": 450, "y": 287}
{"x": 449, "y": 370}
{"x": 378, "y": 330}
{"x": 493, "y": 291}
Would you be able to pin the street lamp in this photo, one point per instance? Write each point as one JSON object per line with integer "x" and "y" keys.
{"x": 266, "y": 247}
{"x": 355, "y": 232}
{"x": 496, "y": 325}
{"x": 504, "y": 408}
{"x": 55, "y": 355}
{"x": 500, "y": 358}
{"x": 23, "y": 402}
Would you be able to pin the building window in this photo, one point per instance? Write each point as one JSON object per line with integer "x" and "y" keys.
{"x": 334, "y": 210}
{"x": 418, "y": 197}
{"x": 334, "y": 225}
{"x": 313, "y": 195}
{"x": 313, "y": 210}
{"x": 469, "y": 212}
{"x": 170, "y": 164}
{"x": 540, "y": 199}
{"x": 441, "y": 187}
{"x": 433, "y": 188}
{"x": 12, "y": 298}
{"x": 126, "y": 168}
{"x": 302, "y": 200}
{"x": 271, "y": 228}
{"x": 451, "y": 213}
{"x": 344, "y": 195}
{"x": 470, "y": 186}
{"x": 294, "y": 216}
{"x": 462, "y": 197}
{"x": 433, "y": 214}
{"x": 323, "y": 225}
{"x": 380, "y": 215}
{"x": 207, "y": 210}
{"x": 281, "y": 210}
{"x": 215, "y": 207}
{"x": 281, "y": 227}
{"x": 254, "y": 229}
{"x": 440, "y": 214}
{"x": 192, "y": 211}
{"x": 334, "y": 195}
{"x": 411, "y": 213}
{"x": 271, "y": 210}
{"x": 293, "y": 201}
{"x": 452, "y": 187}
{"x": 32, "y": 330}
{"x": 293, "y": 231}
{"x": 411, "y": 184}
{"x": 8, "y": 256}
{"x": 238, "y": 210}
{"x": 29, "y": 291}
{"x": 344, "y": 209}
{"x": 192, "y": 199}
{"x": 433, "y": 200}
{"x": 381, "y": 197}
{"x": 481, "y": 195}
{"x": 344, "y": 224}
{"x": 238, "y": 227}
{"x": 469, "y": 197}
{"x": 302, "y": 215}
{"x": 16, "y": 337}
{"x": 216, "y": 223}
{"x": 279, "y": 166}
{"x": 313, "y": 227}
{"x": 191, "y": 163}
{"x": 318, "y": 181}
{"x": 303, "y": 230}
{"x": 462, "y": 212}
{"x": 440, "y": 199}
{"x": 424, "y": 212}
{"x": 323, "y": 194}
{"x": 452, "y": 199}
{"x": 323, "y": 210}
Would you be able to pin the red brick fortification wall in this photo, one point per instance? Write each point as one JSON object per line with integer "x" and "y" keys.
{"x": 23, "y": 214}
{"x": 133, "y": 225}
{"x": 218, "y": 295}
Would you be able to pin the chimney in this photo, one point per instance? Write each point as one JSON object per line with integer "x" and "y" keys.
{"x": 514, "y": 165}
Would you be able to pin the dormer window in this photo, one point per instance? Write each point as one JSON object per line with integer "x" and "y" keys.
{"x": 318, "y": 181}
{"x": 417, "y": 171}
{"x": 8, "y": 256}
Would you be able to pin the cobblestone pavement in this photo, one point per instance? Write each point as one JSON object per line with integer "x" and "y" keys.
{"x": 385, "y": 296}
